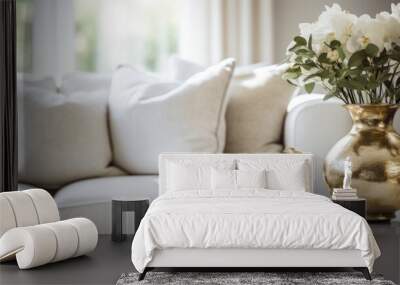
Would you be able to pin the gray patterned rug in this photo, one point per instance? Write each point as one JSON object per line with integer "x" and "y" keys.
{"x": 268, "y": 278}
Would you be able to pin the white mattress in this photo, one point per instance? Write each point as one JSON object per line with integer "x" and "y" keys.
{"x": 250, "y": 219}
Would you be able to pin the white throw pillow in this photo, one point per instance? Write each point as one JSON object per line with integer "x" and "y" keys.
{"x": 62, "y": 138}
{"x": 258, "y": 98}
{"x": 225, "y": 179}
{"x": 149, "y": 116}
{"x": 281, "y": 174}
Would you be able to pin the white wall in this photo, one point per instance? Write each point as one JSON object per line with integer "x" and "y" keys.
{"x": 289, "y": 13}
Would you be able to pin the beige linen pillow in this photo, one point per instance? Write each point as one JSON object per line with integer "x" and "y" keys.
{"x": 258, "y": 98}
{"x": 256, "y": 111}
{"x": 62, "y": 138}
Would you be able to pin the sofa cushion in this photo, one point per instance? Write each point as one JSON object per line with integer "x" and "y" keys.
{"x": 149, "y": 116}
{"x": 258, "y": 98}
{"x": 62, "y": 138}
{"x": 85, "y": 82}
{"x": 99, "y": 190}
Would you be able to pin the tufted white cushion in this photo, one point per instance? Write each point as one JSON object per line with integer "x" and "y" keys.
{"x": 149, "y": 116}
{"x": 26, "y": 208}
{"x": 31, "y": 232}
{"x": 37, "y": 245}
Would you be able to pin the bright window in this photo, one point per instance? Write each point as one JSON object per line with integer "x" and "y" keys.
{"x": 112, "y": 32}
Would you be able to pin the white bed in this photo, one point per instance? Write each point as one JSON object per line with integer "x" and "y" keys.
{"x": 248, "y": 227}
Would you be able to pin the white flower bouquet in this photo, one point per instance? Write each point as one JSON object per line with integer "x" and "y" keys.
{"x": 356, "y": 59}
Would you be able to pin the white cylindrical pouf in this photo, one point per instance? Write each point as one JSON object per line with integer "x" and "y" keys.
{"x": 46, "y": 207}
{"x": 37, "y": 245}
{"x": 87, "y": 233}
{"x": 23, "y": 208}
{"x": 7, "y": 218}
{"x": 33, "y": 246}
{"x": 67, "y": 240}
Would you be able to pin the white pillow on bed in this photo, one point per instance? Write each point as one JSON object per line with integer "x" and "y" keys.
{"x": 238, "y": 179}
{"x": 188, "y": 175}
{"x": 251, "y": 178}
{"x": 281, "y": 174}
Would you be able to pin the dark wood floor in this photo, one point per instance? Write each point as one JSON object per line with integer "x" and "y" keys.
{"x": 110, "y": 260}
{"x": 103, "y": 266}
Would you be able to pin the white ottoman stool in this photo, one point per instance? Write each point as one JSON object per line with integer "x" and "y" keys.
{"x": 31, "y": 232}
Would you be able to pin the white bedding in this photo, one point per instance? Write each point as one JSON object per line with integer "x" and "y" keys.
{"x": 250, "y": 219}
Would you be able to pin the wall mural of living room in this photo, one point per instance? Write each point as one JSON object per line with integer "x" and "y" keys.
{"x": 208, "y": 141}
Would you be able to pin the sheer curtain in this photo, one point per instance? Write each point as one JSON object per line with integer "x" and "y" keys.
{"x": 8, "y": 100}
{"x": 211, "y": 30}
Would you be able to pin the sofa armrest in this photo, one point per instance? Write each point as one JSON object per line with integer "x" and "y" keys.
{"x": 313, "y": 125}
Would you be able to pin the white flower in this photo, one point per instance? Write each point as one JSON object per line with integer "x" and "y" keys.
{"x": 332, "y": 24}
{"x": 338, "y": 21}
{"x": 391, "y": 26}
{"x": 396, "y": 10}
{"x": 365, "y": 31}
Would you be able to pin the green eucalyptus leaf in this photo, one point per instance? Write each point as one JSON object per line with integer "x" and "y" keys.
{"x": 291, "y": 75}
{"x": 311, "y": 76}
{"x": 295, "y": 69}
{"x": 291, "y": 83}
{"x": 335, "y": 44}
{"x": 300, "y": 41}
{"x": 309, "y": 87}
{"x": 328, "y": 96}
{"x": 354, "y": 72}
{"x": 371, "y": 50}
{"x": 302, "y": 51}
{"x": 342, "y": 55}
{"x": 323, "y": 58}
{"x": 293, "y": 48}
{"x": 357, "y": 58}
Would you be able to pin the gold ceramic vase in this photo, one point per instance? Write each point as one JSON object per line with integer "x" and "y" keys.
{"x": 374, "y": 148}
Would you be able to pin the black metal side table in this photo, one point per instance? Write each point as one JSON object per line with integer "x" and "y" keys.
{"x": 358, "y": 206}
{"x": 120, "y": 205}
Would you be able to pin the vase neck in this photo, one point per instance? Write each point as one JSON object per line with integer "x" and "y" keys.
{"x": 372, "y": 116}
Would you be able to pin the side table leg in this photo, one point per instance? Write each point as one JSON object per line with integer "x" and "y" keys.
{"x": 117, "y": 221}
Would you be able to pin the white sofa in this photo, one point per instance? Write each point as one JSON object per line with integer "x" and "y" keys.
{"x": 79, "y": 163}
{"x": 311, "y": 125}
